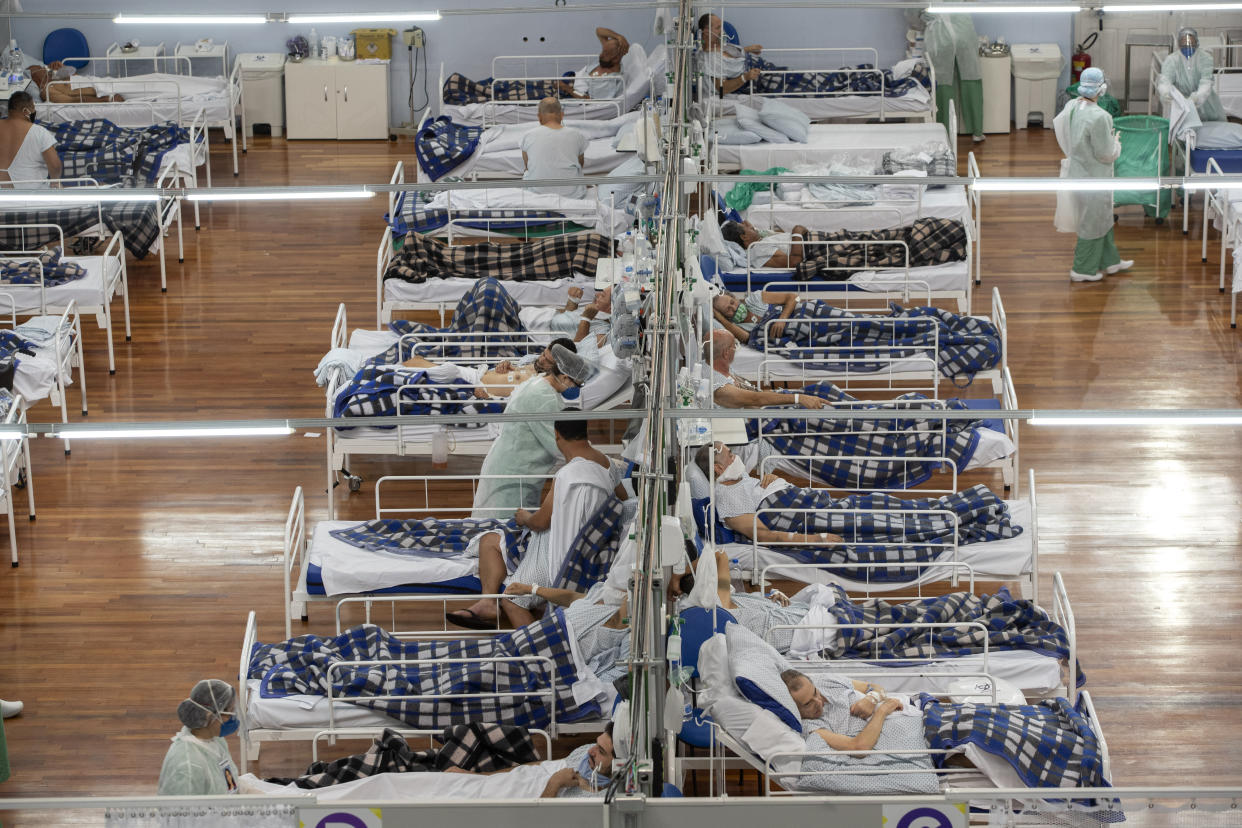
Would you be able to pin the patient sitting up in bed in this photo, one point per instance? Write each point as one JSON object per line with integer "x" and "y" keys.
{"x": 724, "y": 63}
{"x": 604, "y": 80}
{"x": 771, "y": 250}
{"x": 55, "y": 87}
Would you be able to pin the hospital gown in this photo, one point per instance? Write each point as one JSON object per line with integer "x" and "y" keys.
{"x": 525, "y": 448}
{"x": 195, "y": 766}
{"x": 1189, "y": 76}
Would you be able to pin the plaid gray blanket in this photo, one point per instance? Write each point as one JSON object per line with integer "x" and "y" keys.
{"x": 459, "y": 89}
{"x": 1049, "y": 744}
{"x": 486, "y": 308}
{"x": 900, "y": 541}
{"x": 868, "y": 442}
{"x": 940, "y": 163}
{"x": 930, "y": 241}
{"x": 50, "y": 268}
{"x": 390, "y": 391}
{"x": 300, "y": 665}
{"x": 412, "y": 213}
{"x": 477, "y": 747}
{"x": 961, "y": 345}
{"x": 422, "y": 258}
{"x": 138, "y": 222}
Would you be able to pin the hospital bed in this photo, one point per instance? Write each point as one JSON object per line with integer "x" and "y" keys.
{"x": 1223, "y": 208}
{"x": 106, "y": 275}
{"x": 172, "y": 93}
{"x": 919, "y": 103}
{"x": 441, "y": 295}
{"x": 498, "y": 213}
{"x": 641, "y": 72}
{"x": 48, "y": 373}
{"x": 610, "y": 388}
{"x": 15, "y": 469}
{"x": 303, "y": 717}
{"x": 1010, "y": 559}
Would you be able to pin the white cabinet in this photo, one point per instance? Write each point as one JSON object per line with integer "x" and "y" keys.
{"x": 335, "y": 99}
{"x": 996, "y": 93}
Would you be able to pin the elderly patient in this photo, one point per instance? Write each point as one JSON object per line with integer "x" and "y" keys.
{"x": 734, "y": 392}
{"x": 553, "y": 150}
{"x": 55, "y": 86}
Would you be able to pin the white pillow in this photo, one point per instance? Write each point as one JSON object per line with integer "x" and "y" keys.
{"x": 756, "y": 667}
{"x": 1219, "y": 135}
{"x": 637, "y": 79}
{"x": 749, "y": 119}
{"x": 729, "y": 131}
{"x": 783, "y": 118}
{"x": 768, "y": 736}
{"x": 710, "y": 240}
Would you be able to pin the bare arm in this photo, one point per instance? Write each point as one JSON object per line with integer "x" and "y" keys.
{"x": 538, "y": 521}
{"x": 868, "y": 737}
{"x": 605, "y": 35}
{"x": 560, "y": 597}
{"x": 751, "y": 528}
{"x": 582, "y": 161}
{"x": 52, "y": 160}
{"x": 525, "y": 161}
{"x": 730, "y": 396}
{"x": 739, "y": 334}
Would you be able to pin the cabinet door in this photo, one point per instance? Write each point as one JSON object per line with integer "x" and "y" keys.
{"x": 362, "y": 101}
{"x": 310, "y": 101}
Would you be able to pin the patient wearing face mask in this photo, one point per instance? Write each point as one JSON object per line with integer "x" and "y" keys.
{"x": 27, "y": 150}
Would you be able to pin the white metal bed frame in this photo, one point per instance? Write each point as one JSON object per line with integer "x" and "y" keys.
{"x": 16, "y": 470}
{"x": 522, "y": 73}
{"x": 707, "y": 89}
{"x": 233, "y": 89}
{"x": 1226, "y": 206}
{"x": 113, "y": 277}
{"x": 66, "y": 350}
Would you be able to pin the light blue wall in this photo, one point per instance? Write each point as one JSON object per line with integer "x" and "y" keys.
{"x": 466, "y": 44}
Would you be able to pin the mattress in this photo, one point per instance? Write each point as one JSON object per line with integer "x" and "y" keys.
{"x": 475, "y": 114}
{"x": 1003, "y": 559}
{"x": 943, "y": 278}
{"x": 867, "y": 142}
{"x": 417, "y": 434}
{"x": 600, "y": 159}
{"x": 291, "y": 712}
{"x": 143, "y": 113}
{"x": 449, "y": 291}
{"x": 347, "y": 569}
{"x": 1036, "y": 673}
{"x": 943, "y": 203}
{"x": 841, "y": 106}
{"x": 88, "y": 291}
{"x": 747, "y": 362}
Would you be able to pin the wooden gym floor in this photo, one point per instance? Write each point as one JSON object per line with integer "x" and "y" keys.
{"x": 136, "y": 578}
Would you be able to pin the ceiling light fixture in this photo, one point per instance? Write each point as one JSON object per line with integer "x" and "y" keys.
{"x": 78, "y": 433}
{"x": 366, "y": 17}
{"x": 189, "y": 19}
{"x": 278, "y": 195}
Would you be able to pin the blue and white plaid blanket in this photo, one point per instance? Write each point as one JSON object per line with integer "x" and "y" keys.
{"x": 299, "y": 666}
{"x": 442, "y": 146}
{"x": 389, "y": 391}
{"x": 961, "y": 345}
{"x": 51, "y": 267}
{"x": 459, "y": 89}
{"x": 867, "y": 442}
{"x": 11, "y": 343}
{"x": 486, "y": 308}
{"x": 413, "y": 215}
{"x": 900, "y": 541}
{"x": 1049, "y": 744}
{"x": 97, "y": 148}
{"x": 867, "y": 81}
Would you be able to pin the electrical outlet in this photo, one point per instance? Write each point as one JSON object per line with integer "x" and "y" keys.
{"x": 414, "y": 37}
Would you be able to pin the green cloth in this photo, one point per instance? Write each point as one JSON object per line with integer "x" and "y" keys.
{"x": 743, "y": 193}
{"x": 1106, "y": 101}
{"x": 1085, "y": 134}
{"x": 1144, "y": 153}
{"x": 970, "y": 111}
{"x": 521, "y": 448}
{"x": 1093, "y": 255}
{"x": 4, "y": 755}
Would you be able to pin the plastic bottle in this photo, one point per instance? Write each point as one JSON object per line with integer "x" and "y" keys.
{"x": 439, "y": 448}
{"x": 313, "y": 43}
{"x": 644, "y": 263}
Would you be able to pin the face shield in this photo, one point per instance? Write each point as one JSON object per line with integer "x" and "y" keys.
{"x": 1187, "y": 42}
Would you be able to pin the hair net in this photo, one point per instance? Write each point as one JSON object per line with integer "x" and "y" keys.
{"x": 570, "y": 364}
{"x": 1091, "y": 83}
{"x": 209, "y": 698}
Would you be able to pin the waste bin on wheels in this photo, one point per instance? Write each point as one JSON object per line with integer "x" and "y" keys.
{"x": 1144, "y": 154}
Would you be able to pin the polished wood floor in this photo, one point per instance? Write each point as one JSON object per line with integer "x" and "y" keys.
{"x": 137, "y": 576}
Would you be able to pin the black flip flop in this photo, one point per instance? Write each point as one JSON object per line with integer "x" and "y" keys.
{"x": 470, "y": 621}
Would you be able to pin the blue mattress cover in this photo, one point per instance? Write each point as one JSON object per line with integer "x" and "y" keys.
{"x": 463, "y": 585}
{"x": 987, "y": 404}
{"x": 1230, "y": 160}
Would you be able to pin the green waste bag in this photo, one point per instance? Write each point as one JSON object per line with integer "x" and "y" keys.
{"x": 1106, "y": 101}
{"x": 1144, "y": 154}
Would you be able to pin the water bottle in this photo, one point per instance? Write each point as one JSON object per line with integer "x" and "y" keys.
{"x": 644, "y": 263}
{"x": 313, "y": 43}
{"x": 439, "y": 448}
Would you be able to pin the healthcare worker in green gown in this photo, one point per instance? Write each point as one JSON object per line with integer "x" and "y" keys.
{"x": 529, "y": 448}
{"x": 198, "y": 762}
{"x": 952, "y": 47}
{"x": 1086, "y": 135}
{"x": 1189, "y": 69}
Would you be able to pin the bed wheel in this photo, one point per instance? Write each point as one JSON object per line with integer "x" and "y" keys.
{"x": 1159, "y": 222}
{"x": 1233, "y": 324}
{"x": 181, "y": 260}
{"x": 305, "y": 619}
{"x": 15, "y": 564}
{"x": 1204, "y": 260}
{"x": 129, "y": 338}
{"x": 112, "y": 372}
{"x": 84, "y": 414}
{"x": 355, "y": 482}
{"x": 67, "y": 452}
{"x": 21, "y": 480}
{"x": 163, "y": 290}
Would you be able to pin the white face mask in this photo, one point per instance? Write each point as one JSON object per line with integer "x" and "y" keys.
{"x": 735, "y": 471}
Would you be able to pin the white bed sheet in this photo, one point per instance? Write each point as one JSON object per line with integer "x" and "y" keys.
{"x": 475, "y": 114}
{"x": 747, "y": 363}
{"x": 916, "y": 102}
{"x": 600, "y": 159}
{"x": 863, "y": 141}
{"x": 36, "y": 375}
{"x": 87, "y": 291}
{"x": 139, "y": 114}
{"x": 292, "y": 712}
{"x": 944, "y": 203}
{"x": 348, "y": 569}
{"x": 1004, "y": 559}
{"x": 1032, "y": 672}
{"x": 523, "y": 782}
{"x": 942, "y": 278}
{"x": 449, "y": 291}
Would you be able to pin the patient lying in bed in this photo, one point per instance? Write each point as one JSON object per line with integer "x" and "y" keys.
{"x": 57, "y": 89}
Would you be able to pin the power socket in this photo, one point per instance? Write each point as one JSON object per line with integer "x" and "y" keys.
{"x": 414, "y": 37}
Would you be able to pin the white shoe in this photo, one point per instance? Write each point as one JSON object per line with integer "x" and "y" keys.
{"x": 1124, "y": 264}
{"x": 978, "y": 139}
{"x": 1085, "y": 277}
{"x": 10, "y": 709}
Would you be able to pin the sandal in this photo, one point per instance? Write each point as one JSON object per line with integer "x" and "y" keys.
{"x": 468, "y": 619}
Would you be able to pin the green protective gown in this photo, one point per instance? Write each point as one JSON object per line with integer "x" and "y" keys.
{"x": 1085, "y": 133}
{"x": 953, "y": 50}
{"x": 194, "y": 767}
{"x": 521, "y": 448}
{"x": 4, "y": 756}
{"x": 1190, "y": 75}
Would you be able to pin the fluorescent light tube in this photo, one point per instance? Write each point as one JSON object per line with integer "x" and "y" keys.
{"x": 44, "y": 197}
{"x": 76, "y": 433}
{"x": 999, "y": 8}
{"x": 1209, "y": 184}
{"x": 366, "y": 17}
{"x": 1172, "y": 7}
{"x": 182, "y": 19}
{"x": 275, "y": 195}
{"x": 1053, "y": 185}
{"x": 11, "y": 435}
{"x": 1134, "y": 421}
